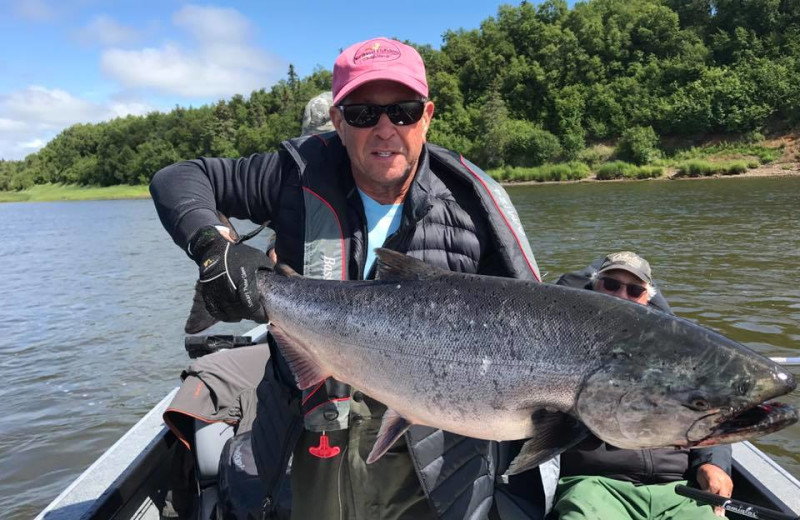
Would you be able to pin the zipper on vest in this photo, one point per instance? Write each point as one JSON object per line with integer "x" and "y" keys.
{"x": 270, "y": 504}
{"x": 388, "y": 245}
{"x": 362, "y": 261}
{"x": 355, "y": 198}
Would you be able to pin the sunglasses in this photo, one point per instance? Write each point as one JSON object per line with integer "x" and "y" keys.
{"x": 613, "y": 285}
{"x": 365, "y": 115}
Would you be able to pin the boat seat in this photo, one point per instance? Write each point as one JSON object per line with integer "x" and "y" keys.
{"x": 209, "y": 439}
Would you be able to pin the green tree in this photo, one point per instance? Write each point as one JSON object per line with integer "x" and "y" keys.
{"x": 151, "y": 156}
{"x": 529, "y": 145}
{"x": 491, "y": 144}
{"x": 568, "y": 114}
{"x": 638, "y": 145}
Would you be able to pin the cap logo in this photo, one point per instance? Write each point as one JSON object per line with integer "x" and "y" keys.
{"x": 376, "y": 51}
{"x": 625, "y": 257}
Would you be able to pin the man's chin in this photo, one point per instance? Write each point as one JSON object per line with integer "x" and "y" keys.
{"x": 389, "y": 175}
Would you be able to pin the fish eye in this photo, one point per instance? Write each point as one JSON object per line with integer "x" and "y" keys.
{"x": 742, "y": 387}
{"x": 699, "y": 403}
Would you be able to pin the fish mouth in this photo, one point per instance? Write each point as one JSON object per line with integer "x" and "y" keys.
{"x": 745, "y": 424}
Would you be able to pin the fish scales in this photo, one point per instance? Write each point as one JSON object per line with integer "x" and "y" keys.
{"x": 433, "y": 350}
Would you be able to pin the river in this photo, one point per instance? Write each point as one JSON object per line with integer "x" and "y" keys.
{"x": 95, "y": 294}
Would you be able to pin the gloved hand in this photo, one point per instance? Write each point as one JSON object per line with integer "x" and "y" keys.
{"x": 228, "y": 276}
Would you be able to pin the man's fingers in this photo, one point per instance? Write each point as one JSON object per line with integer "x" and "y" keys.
{"x": 715, "y": 486}
{"x": 715, "y": 480}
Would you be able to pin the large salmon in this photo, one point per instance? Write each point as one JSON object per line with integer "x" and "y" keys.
{"x": 502, "y": 359}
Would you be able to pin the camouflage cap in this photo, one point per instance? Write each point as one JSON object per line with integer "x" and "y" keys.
{"x": 630, "y": 262}
{"x": 316, "y": 116}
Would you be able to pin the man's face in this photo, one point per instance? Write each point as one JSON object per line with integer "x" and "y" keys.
{"x": 624, "y": 279}
{"x": 383, "y": 157}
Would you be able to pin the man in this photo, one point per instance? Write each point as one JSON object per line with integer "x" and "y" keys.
{"x": 316, "y": 115}
{"x": 599, "y": 481}
{"x": 331, "y": 199}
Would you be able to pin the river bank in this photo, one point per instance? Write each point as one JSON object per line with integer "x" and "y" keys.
{"x": 56, "y": 192}
{"x": 671, "y": 174}
{"x": 725, "y": 163}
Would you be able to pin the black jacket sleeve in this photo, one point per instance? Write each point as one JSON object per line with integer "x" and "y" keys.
{"x": 188, "y": 194}
{"x": 720, "y": 456}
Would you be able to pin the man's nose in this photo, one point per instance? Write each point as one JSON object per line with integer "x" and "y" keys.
{"x": 385, "y": 128}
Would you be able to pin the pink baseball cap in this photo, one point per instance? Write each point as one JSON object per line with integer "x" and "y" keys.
{"x": 378, "y": 59}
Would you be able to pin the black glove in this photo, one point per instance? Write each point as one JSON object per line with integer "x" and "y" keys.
{"x": 227, "y": 277}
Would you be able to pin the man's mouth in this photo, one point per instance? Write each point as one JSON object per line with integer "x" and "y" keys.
{"x": 384, "y": 154}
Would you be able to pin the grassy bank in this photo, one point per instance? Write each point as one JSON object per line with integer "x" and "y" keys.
{"x": 600, "y": 163}
{"x": 50, "y": 192}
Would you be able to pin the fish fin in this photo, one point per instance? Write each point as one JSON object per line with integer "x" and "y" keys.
{"x": 199, "y": 318}
{"x": 392, "y": 428}
{"x": 285, "y": 270}
{"x": 555, "y": 433}
{"x": 307, "y": 372}
{"x": 397, "y": 266}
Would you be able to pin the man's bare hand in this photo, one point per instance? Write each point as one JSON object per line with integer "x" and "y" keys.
{"x": 714, "y": 480}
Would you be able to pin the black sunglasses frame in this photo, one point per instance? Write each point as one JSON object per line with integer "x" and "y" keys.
{"x": 632, "y": 289}
{"x": 402, "y": 113}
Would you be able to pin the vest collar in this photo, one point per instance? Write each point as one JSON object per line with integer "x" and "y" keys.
{"x": 418, "y": 199}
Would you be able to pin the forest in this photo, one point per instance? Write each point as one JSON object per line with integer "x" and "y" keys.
{"x": 536, "y": 84}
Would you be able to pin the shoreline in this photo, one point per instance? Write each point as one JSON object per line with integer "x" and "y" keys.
{"x": 72, "y": 193}
{"x": 761, "y": 172}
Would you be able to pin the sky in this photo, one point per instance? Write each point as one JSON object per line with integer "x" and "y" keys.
{"x": 83, "y": 61}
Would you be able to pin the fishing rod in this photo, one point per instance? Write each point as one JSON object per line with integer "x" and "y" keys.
{"x": 787, "y": 361}
{"x": 734, "y": 506}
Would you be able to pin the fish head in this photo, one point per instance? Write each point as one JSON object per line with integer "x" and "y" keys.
{"x": 691, "y": 388}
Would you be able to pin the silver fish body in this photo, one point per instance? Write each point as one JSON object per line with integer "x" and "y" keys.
{"x": 497, "y": 358}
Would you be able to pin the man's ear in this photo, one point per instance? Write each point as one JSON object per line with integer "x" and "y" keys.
{"x": 427, "y": 116}
{"x": 338, "y": 121}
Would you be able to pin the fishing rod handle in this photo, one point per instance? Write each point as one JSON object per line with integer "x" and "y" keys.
{"x": 734, "y": 506}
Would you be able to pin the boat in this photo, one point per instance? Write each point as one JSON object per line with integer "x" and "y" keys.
{"x": 129, "y": 480}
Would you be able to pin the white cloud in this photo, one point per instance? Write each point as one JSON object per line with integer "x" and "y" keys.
{"x": 47, "y": 108}
{"x": 127, "y": 108}
{"x": 7, "y": 125}
{"x": 221, "y": 61}
{"x": 33, "y": 145}
{"x": 106, "y": 31}
{"x": 213, "y": 23}
{"x": 32, "y": 116}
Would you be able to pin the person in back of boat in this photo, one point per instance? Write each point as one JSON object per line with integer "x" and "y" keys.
{"x": 331, "y": 199}
{"x": 599, "y": 481}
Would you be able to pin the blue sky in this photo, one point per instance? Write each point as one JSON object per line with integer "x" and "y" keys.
{"x": 70, "y": 61}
